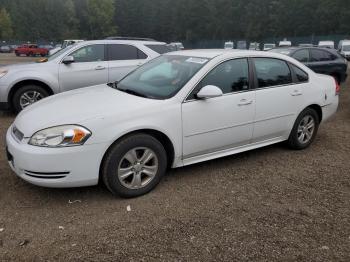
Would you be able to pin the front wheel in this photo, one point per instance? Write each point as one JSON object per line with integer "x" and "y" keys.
{"x": 304, "y": 130}
{"x": 27, "y": 95}
{"x": 134, "y": 166}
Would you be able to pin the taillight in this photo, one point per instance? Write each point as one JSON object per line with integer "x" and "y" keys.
{"x": 337, "y": 87}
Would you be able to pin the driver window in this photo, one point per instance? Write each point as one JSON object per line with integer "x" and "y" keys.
{"x": 91, "y": 53}
{"x": 230, "y": 76}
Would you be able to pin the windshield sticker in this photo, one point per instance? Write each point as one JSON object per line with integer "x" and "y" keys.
{"x": 197, "y": 60}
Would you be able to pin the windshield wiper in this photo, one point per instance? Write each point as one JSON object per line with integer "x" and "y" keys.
{"x": 132, "y": 92}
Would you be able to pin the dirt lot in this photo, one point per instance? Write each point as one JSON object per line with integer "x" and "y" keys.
{"x": 271, "y": 204}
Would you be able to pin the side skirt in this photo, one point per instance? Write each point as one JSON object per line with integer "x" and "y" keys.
{"x": 230, "y": 151}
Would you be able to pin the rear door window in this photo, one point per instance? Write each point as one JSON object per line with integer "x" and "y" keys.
{"x": 124, "y": 52}
{"x": 321, "y": 56}
{"x": 272, "y": 72}
{"x": 301, "y": 75}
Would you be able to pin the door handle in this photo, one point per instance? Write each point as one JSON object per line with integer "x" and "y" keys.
{"x": 100, "y": 67}
{"x": 296, "y": 93}
{"x": 245, "y": 102}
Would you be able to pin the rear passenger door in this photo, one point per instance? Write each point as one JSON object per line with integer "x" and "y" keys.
{"x": 122, "y": 59}
{"x": 321, "y": 61}
{"x": 278, "y": 99}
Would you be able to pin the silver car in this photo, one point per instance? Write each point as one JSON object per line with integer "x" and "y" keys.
{"x": 84, "y": 64}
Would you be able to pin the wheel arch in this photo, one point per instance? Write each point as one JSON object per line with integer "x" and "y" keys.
{"x": 160, "y": 136}
{"x": 318, "y": 110}
{"x": 26, "y": 82}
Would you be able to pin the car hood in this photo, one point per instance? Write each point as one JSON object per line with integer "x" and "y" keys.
{"x": 26, "y": 66}
{"x": 79, "y": 106}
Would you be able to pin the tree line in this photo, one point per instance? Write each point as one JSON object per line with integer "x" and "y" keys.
{"x": 170, "y": 20}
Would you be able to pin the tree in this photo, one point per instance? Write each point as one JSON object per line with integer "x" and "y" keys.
{"x": 6, "y": 31}
{"x": 100, "y": 14}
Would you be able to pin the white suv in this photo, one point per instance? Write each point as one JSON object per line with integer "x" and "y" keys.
{"x": 83, "y": 64}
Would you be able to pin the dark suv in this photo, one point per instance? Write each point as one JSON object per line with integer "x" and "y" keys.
{"x": 321, "y": 60}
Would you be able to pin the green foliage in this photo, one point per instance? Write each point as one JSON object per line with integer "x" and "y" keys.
{"x": 6, "y": 31}
{"x": 171, "y": 20}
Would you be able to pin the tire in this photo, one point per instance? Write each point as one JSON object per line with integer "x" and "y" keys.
{"x": 32, "y": 90}
{"x": 17, "y": 54}
{"x": 295, "y": 137}
{"x": 116, "y": 159}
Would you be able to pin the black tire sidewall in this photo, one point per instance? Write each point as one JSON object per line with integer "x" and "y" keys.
{"x": 19, "y": 92}
{"x": 114, "y": 156}
{"x": 293, "y": 138}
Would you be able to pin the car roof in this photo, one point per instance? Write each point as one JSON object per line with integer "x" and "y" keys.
{"x": 106, "y": 41}
{"x": 212, "y": 53}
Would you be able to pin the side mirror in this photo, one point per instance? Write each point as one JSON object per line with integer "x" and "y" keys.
{"x": 68, "y": 60}
{"x": 209, "y": 91}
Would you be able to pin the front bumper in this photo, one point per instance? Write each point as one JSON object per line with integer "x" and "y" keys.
{"x": 55, "y": 167}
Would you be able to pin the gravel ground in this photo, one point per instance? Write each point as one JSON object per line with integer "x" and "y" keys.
{"x": 270, "y": 204}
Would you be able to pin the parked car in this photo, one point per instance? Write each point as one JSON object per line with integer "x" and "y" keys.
{"x": 179, "y": 109}
{"x": 305, "y": 45}
{"x": 326, "y": 44}
{"x": 176, "y": 46}
{"x": 285, "y": 43}
{"x": 84, "y": 64}
{"x": 268, "y": 46}
{"x": 229, "y": 45}
{"x": 341, "y": 43}
{"x": 64, "y": 44}
{"x": 31, "y": 50}
{"x": 13, "y": 47}
{"x": 5, "y": 49}
{"x": 321, "y": 60}
{"x": 242, "y": 45}
{"x": 48, "y": 47}
{"x": 254, "y": 46}
{"x": 344, "y": 48}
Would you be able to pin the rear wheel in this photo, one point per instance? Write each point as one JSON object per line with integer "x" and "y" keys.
{"x": 27, "y": 95}
{"x": 134, "y": 166}
{"x": 304, "y": 130}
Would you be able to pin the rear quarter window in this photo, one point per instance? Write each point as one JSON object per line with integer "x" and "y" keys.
{"x": 160, "y": 49}
{"x": 300, "y": 75}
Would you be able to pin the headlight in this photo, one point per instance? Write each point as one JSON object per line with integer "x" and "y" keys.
{"x": 60, "y": 136}
{"x": 3, "y": 72}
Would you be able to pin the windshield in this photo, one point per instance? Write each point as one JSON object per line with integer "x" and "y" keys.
{"x": 57, "y": 54}
{"x": 346, "y": 48}
{"x": 162, "y": 77}
{"x": 229, "y": 45}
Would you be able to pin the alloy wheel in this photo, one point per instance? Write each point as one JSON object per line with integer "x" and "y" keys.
{"x": 306, "y": 129}
{"x": 30, "y": 97}
{"x": 137, "y": 168}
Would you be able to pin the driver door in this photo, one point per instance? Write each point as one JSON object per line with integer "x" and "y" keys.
{"x": 89, "y": 68}
{"x": 220, "y": 123}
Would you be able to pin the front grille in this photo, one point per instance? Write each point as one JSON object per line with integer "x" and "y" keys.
{"x": 46, "y": 175}
{"x": 17, "y": 134}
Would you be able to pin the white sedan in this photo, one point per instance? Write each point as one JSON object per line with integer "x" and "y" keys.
{"x": 178, "y": 109}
